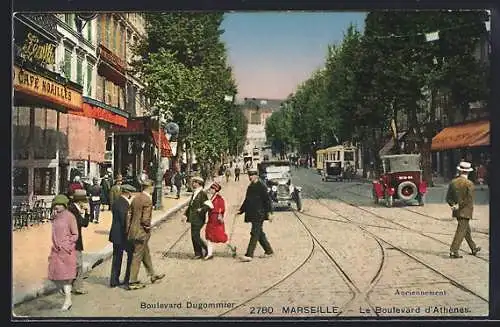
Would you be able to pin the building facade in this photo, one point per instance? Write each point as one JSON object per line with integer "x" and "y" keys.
{"x": 257, "y": 111}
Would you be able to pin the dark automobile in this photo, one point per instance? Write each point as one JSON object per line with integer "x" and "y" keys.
{"x": 276, "y": 175}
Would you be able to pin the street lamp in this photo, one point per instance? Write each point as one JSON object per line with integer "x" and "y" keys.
{"x": 159, "y": 176}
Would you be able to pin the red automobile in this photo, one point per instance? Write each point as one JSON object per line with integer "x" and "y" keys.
{"x": 401, "y": 180}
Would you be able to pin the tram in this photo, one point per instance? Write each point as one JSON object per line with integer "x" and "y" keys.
{"x": 346, "y": 154}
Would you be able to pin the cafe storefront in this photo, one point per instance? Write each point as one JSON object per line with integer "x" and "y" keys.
{"x": 41, "y": 96}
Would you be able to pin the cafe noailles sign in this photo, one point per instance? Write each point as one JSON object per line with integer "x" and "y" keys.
{"x": 42, "y": 87}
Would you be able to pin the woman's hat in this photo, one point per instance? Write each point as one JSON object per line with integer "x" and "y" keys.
{"x": 465, "y": 166}
{"x": 216, "y": 186}
{"x": 79, "y": 195}
{"x": 60, "y": 199}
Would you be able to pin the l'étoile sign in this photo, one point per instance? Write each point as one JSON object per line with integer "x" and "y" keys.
{"x": 35, "y": 50}
{"x": 31, "y": 83}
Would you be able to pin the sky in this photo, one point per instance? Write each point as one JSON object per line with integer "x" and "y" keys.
{"x": 273, "y": 52}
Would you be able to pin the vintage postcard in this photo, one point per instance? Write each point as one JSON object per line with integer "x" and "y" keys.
{"x": 251, "y": 164}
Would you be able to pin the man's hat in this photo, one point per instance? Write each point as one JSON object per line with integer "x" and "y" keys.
{"x": 197, "y": 179}
{"x": 147, "y": 182}
{"x": 119, "y": 177}
{"x": 80, "y": 196}
{"x": 216, "y": 186}
{"x": 252, "y": 171}
{"x": 60, "y": 199}
{"x": 465, "y": 166}
{"x": 127, "y": 188}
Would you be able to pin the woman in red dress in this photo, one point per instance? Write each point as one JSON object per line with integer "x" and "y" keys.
{"x": 214, "y": 231}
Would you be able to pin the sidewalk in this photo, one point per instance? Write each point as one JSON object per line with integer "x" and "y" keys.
{"x": 30, "y": 249}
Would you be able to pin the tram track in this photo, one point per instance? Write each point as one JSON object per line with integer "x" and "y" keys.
{"x": 451, "y": 280}
{"x": 350, "y": 203}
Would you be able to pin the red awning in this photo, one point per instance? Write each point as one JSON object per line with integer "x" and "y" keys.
{"x": 102, "y": 114}
{"x": 134, "y": 126}
{"x": 166, "y": 151}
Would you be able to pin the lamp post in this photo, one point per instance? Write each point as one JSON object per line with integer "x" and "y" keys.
{"x": 159, "y": 175}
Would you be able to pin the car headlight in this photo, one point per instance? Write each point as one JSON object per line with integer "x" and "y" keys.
{"x": 274, "y": 188}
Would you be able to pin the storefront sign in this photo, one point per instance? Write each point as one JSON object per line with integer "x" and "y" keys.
{"x": 102, "y": 114}
{"x": 36, "y": 85}
{"x": 111, "y": 58}
{"x": 36, "y": 51}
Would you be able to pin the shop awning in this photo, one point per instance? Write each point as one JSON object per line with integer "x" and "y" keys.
{"x": 133, "y": 127}
{"x": 101, "y": 111}
{"x": 166, "y": 150}
{"x": 462, "y": 136}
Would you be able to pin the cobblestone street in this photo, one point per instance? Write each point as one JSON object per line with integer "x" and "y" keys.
{"x": 332, "y": 259}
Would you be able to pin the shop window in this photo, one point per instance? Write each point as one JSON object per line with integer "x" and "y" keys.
{"x": 21, "y": 133}
{"x": 20, "y": 176}
{"x": 45, "y": 134}
{"x": 44, "y": 181}
{"x": 79, "y": 70}
{"x": 67, "y": 63}
{"x": 109, "y": 143}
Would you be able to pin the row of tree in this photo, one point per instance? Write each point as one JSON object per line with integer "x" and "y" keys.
{"x": 183, "y": 62}
{"x": 387, "y": 73}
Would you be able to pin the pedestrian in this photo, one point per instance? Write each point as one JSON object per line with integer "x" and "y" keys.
{"x": 227, "y": 172}
{"x": 460, "y": 197}
{"x": 75, "y": 185}
{"x": 138, "y": 233}
{"x": 78, "y": 206}
{"x": 118, "y": 236}
{"x": 177, "y": 179}
{"x": 95, "y": 200}
{"x": 195, "y": 214}
{"x": 115, "y": 191}
{"x": 215, "y": 231}
{"x": 237, "y": 172}
{"x": 166, "y": 178}
{"x": 62, "y": 258}
{"x": 257, "y": 208}
{"x": 105, "y": 188}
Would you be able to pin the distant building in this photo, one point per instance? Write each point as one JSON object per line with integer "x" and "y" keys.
{"x": 257, "y": 111}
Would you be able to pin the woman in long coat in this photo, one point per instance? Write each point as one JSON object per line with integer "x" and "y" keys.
{"x": 215, "y": 231}
{"x": 62, "y": 258}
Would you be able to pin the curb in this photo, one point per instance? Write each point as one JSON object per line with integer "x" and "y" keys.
{"x": 90, "y": 261}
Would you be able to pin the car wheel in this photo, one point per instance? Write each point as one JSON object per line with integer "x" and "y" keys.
{"x": 389, "y": 201}
{"x": 407, "y": 191}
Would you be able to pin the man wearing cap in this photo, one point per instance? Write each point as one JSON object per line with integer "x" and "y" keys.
{"x": 195, "y": 214}
{"x": 138, "y": 233}
{"x": 78, "y": 206}
{"x": 115, "y": 191}
{"x": 257, "y": 208}
{"x": 460, "y": 197}
{"x": 118, "y": 235}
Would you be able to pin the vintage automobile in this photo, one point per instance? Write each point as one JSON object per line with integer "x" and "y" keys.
{"x": 332, "y": 169}
{"x": 401, "y": 180}
{"x": 276, "y": 174}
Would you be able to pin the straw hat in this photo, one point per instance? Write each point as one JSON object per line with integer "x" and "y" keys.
{"x": 197, "y": 179}
{"x": 465, "y": 166}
